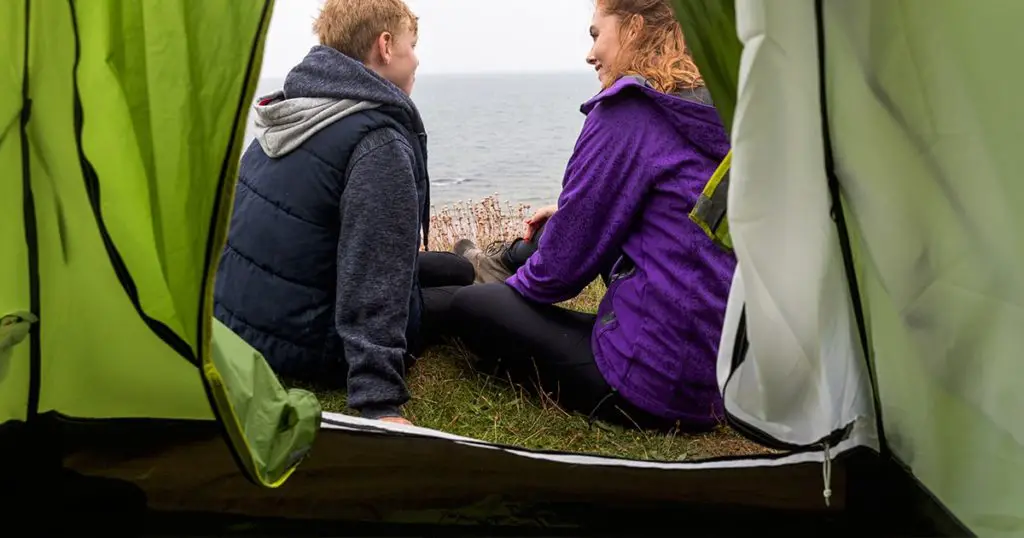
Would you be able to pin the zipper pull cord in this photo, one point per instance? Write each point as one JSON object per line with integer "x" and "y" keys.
{"x": 826, "y": 475}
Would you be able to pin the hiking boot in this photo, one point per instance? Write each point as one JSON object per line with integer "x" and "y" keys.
{"x": 487, "y": 264}
{"x": 462, "y": 245}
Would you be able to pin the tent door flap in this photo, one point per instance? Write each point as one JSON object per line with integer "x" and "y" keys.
{"x": 739, "y": 354}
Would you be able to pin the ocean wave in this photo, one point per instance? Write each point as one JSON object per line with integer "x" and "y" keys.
{"x": 450, "y": 182}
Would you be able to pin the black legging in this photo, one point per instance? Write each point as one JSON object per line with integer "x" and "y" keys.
{"x": 441, "y": 274}
{"x": 536, "y": 344}
{"x": 533, "y": 344}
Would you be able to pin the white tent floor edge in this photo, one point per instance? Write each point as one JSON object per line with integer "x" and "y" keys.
{"x": 860, "y": 437}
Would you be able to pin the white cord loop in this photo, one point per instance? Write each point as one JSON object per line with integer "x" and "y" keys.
{"x": 826, "y": 475}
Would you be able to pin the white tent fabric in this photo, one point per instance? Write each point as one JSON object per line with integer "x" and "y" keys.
{"x": 341, "y": 422}
{"x": 804, "y": 376}
{"x": 926, "y": 126}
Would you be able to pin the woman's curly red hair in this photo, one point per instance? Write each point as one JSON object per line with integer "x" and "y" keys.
{"x": 652, "y": 45}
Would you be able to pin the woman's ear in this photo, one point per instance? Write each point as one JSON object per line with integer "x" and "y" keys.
{"x": 633, "y": 27}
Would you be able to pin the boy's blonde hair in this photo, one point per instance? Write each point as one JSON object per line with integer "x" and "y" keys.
{"x": 352, "y": 26}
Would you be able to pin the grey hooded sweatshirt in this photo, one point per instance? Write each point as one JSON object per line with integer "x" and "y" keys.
{"x": 277, "y": 274}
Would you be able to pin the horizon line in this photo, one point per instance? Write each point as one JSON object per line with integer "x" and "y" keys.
{"x": 484, "y": 72}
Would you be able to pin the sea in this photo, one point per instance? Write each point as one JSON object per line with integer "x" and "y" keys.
{"x": 504, "y": 134}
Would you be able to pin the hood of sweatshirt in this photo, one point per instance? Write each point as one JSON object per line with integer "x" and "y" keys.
{"x": 324, "y": 88}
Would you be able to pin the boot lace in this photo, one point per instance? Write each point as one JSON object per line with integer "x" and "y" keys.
{"x": 497, "y": 248}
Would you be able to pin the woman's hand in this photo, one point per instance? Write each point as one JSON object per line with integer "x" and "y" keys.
{"x": 537, "y": 220}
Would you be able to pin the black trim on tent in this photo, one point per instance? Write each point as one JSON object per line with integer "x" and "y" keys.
{"x": 229, "y": 155}
{"x": 25, "y": 444}
{"x": 31, "y": 232}
{"x": 92, "y": 189}
{"x": 922, "y": 495}
{"x": 839, "y": 218}
{"x": 755, "y": 434}
{"x": 214, "y": 214}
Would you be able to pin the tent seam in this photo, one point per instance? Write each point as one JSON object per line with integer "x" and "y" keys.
{"x": 92, "y": 188}
{"x": 839, "y": 218}
{"x": 204, "y": 328}
{"x": 31, "y": 233}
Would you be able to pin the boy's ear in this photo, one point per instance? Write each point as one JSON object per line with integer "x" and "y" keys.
{"x": 384, "y": 44}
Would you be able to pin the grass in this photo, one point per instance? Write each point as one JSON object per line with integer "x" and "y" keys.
{"x": 448, "y": 394}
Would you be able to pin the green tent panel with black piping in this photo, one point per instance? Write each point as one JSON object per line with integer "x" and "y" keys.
{"x": 872, "y": 336}
{"x": 121, "y": 128}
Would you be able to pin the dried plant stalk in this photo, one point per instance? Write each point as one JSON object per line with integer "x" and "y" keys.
{"x": 485, "y": 222}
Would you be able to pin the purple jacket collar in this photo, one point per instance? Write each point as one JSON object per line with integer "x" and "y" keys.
{"x": 624, "y": 83}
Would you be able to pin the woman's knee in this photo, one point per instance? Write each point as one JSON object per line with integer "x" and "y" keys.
{"x": 444, "y": 269}
{"x": 462, "y": 271}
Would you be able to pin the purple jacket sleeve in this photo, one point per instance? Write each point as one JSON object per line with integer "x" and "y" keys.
{"x": 604, "y": 186}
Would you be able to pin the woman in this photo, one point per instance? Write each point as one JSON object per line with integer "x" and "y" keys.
{"x": 648, "y": 146}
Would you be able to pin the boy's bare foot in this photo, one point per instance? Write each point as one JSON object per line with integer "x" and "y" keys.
{"x": 396, "y": 420}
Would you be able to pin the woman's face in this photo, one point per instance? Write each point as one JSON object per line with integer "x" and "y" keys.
{"x": 604, "y": 30}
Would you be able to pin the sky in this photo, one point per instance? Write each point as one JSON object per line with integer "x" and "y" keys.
{"x": 460, "y": 36}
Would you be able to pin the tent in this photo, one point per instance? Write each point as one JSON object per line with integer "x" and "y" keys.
{"x": 870, "y": 330}
{"x": 870, "y": 206}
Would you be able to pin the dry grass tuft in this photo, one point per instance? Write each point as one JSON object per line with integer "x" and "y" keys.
{"x": 484, "y": 222}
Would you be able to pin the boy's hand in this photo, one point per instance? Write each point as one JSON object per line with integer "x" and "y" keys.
{"x": 396, "y": 420}
{"x": 537, "y": 220}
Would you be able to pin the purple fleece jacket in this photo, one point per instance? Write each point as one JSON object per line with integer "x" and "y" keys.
{"x": 640, "y": 163}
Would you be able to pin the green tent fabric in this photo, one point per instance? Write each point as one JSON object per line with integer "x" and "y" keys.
{"x": 709, "y": 27}
{"x": 927, "y": 128}
{"x": 874, "y": 209}
{"x": 119, "y": 142}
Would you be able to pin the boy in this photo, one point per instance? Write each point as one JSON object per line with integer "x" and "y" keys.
{"x": 318, "y": 272}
